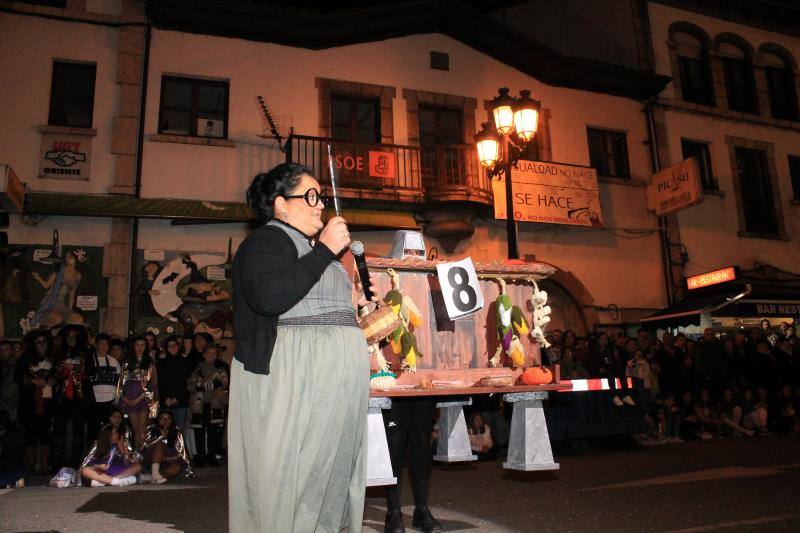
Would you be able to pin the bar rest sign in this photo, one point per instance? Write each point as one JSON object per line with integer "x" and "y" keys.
{"x": 66, "y": 156}
{"x": 460, "y": 288}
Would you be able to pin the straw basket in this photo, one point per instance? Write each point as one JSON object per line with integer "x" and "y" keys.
{"x": 379, "y": 324}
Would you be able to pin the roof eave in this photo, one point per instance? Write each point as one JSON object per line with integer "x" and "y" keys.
{"x": 449, "y": 17}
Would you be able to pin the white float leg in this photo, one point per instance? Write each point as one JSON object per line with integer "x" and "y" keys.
{"x": 529, "y": 443}
{"x": 453, "y": 443}
{"x": 379, "y": 464}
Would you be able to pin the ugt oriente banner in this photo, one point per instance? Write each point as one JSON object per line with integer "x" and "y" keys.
{"x": 552, "y": 193}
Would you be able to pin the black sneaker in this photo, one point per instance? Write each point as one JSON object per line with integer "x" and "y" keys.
{"x": 394, "y": 522}
{"x": 424, "y": 520}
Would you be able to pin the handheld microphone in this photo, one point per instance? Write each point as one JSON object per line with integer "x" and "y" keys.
{"x": 357, "y": 249}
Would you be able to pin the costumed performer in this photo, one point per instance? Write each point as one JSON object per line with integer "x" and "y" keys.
{"x": 300, "y": 377}
{"x": 165, "y": 450}
{"x": 110, "y": 461}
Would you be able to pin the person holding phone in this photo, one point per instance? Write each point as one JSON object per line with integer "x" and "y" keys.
{"x": 300, "y": 377}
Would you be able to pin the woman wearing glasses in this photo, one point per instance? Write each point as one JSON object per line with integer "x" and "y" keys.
{"x": 299, "y": 384}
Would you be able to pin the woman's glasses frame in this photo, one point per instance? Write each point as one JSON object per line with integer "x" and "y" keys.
{"x": 316, "y": 198}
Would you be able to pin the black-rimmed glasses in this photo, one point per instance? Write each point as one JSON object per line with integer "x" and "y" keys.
{"x": 311, "y": 196}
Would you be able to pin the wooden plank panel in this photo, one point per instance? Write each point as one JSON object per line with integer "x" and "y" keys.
{"x": 465, "y": 343}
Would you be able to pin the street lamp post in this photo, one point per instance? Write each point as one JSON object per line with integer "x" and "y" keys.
{"x": 515, "y": 124}
{"x": 511, "y": 222}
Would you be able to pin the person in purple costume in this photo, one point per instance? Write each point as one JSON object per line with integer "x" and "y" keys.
{"x": 110, "y": 461}
{"x": 137, "y": 389}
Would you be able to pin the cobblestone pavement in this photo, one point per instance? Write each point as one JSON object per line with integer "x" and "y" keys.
{"x": 727, "y": 485}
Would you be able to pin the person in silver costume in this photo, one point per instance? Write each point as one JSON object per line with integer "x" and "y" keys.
{"x": 165, "y": 451}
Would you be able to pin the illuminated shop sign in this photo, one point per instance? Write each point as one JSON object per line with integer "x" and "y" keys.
{"x": 714, "y": 277}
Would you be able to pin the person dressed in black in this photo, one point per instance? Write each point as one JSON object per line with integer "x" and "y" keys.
{"x": 173, "y": 372}
{"x": 409, "y": 424}
{"x": 36, "y": 378}
{"x": 12, "y": 451}
{"x": 74, "y": 396}
{"x": 199, "y": 343}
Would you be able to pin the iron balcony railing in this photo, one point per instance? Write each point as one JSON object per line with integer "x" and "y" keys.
{"x": 408, "y": 171}
{"x": 451, "y": 166}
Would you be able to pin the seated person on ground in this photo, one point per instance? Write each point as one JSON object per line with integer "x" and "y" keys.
{"x": 480, "y": 437}
{"x": 786, "y": 411}
{"x": 707, "y": 416}
{"x": 165, "y": 450}
{"x": 731, "y": 414}
{"x": 110, "y": 461}
{"x": 688, "y": 418}
{"x": 755, "y": 413}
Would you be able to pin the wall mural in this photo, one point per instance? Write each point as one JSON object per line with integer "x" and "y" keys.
{"x": 38, "y": 290}
{"x": 180, "y": 293}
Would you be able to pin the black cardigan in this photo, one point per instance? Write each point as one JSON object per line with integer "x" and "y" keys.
{"x": 268, "y": 280}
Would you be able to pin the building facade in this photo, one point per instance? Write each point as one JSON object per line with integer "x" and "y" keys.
{"x": 184, "y": 107}
{"x": 733, "y": 104}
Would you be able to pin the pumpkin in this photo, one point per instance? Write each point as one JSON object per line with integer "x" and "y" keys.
{"x": 537, "y": 375}
{"x": 382, "y": 381}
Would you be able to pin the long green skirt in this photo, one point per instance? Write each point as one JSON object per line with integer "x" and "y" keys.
{"x": 297, "y": 438}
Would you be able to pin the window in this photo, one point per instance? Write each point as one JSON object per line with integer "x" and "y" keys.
{"x": 780, "y": 87}
{"x": 72, "y": 94}
{"x": 693, "y": 69}
{"x": 440, "y": 60}
{"x": 757, "y": 198}
{"x": 740, "y": 85}
{"x": 193, "y": 107}
{"x": 701, "y": 152}
{"x": 441, "y": 130}
{"x": 794, "y": 174}
{"x": 608, "y": 153}
{"x": 355, "y": 119}
{"x": 440, "y": 126}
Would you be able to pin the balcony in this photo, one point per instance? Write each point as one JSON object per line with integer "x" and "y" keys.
{"x": 385, "y": 174}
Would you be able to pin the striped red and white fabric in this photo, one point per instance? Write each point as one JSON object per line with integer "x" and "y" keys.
{"x": 592, "y": 384}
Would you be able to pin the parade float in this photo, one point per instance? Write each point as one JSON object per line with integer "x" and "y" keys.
{"x": 454, "y": 330}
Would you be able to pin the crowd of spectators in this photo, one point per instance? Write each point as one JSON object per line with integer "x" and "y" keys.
{"x": 728, "y": 384}
{"x": 70, "y": 400}
{"x": 742, "y": 383}
{"x": 110, "y": 410}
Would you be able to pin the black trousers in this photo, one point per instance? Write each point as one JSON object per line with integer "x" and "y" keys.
{"x": 74, "y": 411}
{"x": 37, "y": 427}
{"x": 208, "y": 427}
{"x": 409, "y": 424}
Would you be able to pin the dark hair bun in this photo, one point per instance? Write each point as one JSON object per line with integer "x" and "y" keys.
{"x": 267, "y": 186}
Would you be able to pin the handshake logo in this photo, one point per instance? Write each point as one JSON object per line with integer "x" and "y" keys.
{"x": 65, "y": 158}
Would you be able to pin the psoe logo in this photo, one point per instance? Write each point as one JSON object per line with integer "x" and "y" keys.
{"x": 65, "y": 158}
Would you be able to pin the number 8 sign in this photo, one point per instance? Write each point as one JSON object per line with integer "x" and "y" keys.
{"x": 460, "y": 288}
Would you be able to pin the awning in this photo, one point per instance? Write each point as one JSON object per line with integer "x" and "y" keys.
{"x": 687, "y": 311}
{"x": 763, "y": 302}
{"x": 737, "y": 300}
{"x": 190, "y": 211}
